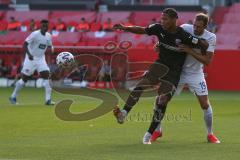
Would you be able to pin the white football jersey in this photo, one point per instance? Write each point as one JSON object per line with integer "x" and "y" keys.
{"x": 191, "y": 64}
{"x": 38, "y": 43}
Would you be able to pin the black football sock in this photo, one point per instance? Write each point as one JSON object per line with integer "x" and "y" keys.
{"x": 133, "y": 98}
{"x": 158, "y": 115}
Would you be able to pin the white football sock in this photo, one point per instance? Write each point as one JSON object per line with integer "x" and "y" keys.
{"x": 18, "y": 87}
{"x": 208, "y": 117}
{"x": 48, "y": 89}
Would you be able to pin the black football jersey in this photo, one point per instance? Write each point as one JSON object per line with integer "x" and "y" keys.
{"x": 170, "y": 54}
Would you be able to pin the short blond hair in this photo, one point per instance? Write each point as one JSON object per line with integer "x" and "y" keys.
{"x": 202, "y": 17}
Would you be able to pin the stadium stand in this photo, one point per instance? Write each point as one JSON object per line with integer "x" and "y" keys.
{"x": 91, "y": 41}
{"x": 229, "y": 28}
{"x": 96, "y": 21}
{"x": 26, "y": 15}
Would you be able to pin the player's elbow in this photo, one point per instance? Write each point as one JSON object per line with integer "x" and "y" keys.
{"x": 25, "y": 44}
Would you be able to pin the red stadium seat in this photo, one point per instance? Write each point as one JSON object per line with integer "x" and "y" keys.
{"x": 27, "y": 15}
{"x": 232, "y": 18}
{"x": 57, "y": 43}
{"x": 67, "y": 38}
{"x": 1, "y": 15}
{"x": 72, "y": 23}
{"x": 92, "y": 38}
{"x": 13, "y": 37}
{"x": 81, "y": 44}
{"x": 229, "y": 28}
{"x": 95, "y": 26}
{"x": 72, "y": 16}
{"x": 143, "y": 18}
{"x": 116, "y": 17}
{"x": 5, "y": 1}
{"x": 234, "y": 8}
{"x": 184, "y": 17}
{"x": 228, "y": 47}
{"x": 137, "y": 40}
{"x": 3, "y": 25}
{"x": 224, "y": 38}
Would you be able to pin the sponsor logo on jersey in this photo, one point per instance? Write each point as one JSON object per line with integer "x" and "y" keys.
{"x": 42, "y": 46}
{"x": 178, "y": 41}
{"x": 172, "y": 48}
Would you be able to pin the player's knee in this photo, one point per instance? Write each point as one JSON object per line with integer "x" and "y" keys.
{"x": 24, "y": 78}
{"x": 45, "y": 75}
{"x": 162, "y": 100}
{"x": 204, "y": 104}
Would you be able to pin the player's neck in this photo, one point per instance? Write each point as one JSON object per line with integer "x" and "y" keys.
{"x": 43, "y": 33}
{"x": 199, "y": 34}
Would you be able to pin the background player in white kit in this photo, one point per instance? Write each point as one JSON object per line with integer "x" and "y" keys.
{"x": 192, "y": 73}
{"x": 35, "y": 47}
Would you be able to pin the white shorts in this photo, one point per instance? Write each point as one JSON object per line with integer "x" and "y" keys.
{"x": 195, "y": 82}
{"x": 29, "y": 66}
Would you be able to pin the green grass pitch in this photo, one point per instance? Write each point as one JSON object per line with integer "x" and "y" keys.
{"x": 31, "y": 131}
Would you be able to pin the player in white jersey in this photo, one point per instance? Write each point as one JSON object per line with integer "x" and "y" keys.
{"x": 35, "y": 47}
{"x": 192, "y": 73}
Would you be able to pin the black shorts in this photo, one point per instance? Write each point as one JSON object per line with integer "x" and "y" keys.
{"x": 160, "y": 73}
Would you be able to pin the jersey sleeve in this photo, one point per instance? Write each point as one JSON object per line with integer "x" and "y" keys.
{"x": 187, "y": 27}
{"x": 31, "y": 37}
{"x": 212, "y": 44}
{"x": 153, "y": 29}
{"x": 188, "y": 39}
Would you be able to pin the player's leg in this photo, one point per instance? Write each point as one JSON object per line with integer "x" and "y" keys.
{"x": 131, "y": 101}
{"x": 199, "y": 87}
{"x": 151, "y": 78}
{"x": 158, "y": 114}
{"x": 207, "y": 110}
{"x": 165, "y": 91}
{"x": 208, "y": 117}
{"x": 26, "y": 72}
{"x": 44, "y": 72}
{"x": 46, "y": 84}
{"x": 158, "y": 131}
{"x": 18, "y": 86}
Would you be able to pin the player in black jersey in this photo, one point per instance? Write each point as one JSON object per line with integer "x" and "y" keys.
{"x": 166, "y": 70}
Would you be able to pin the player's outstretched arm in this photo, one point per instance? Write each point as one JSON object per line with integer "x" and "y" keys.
{"x": 132, "y": 29}
{"x": 25, "y": 50}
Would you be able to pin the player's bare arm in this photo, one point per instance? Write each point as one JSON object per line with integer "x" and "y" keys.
{"x": 204, "y": 58}
{"x": 50, "y": 49}
{"x": 25, "y": 50}
{"x": 132, "y": 29}
{"x": 203, "y": 44}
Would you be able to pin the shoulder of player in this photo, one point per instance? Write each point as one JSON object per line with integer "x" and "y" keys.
{"x": 155, "y": 25}
{"x": 186, "y": 26}
{"x": 209, "y": 35}
{"x": 35, "y": 32}
{"x": 48, "y": 34}
{"x": 182, "y": 30}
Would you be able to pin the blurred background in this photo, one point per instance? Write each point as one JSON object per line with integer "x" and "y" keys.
{"x": 84, "y": 27}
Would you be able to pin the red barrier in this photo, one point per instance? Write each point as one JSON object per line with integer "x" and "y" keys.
{"x": 224, "y": 71}
{"x": 222, "y": 74}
